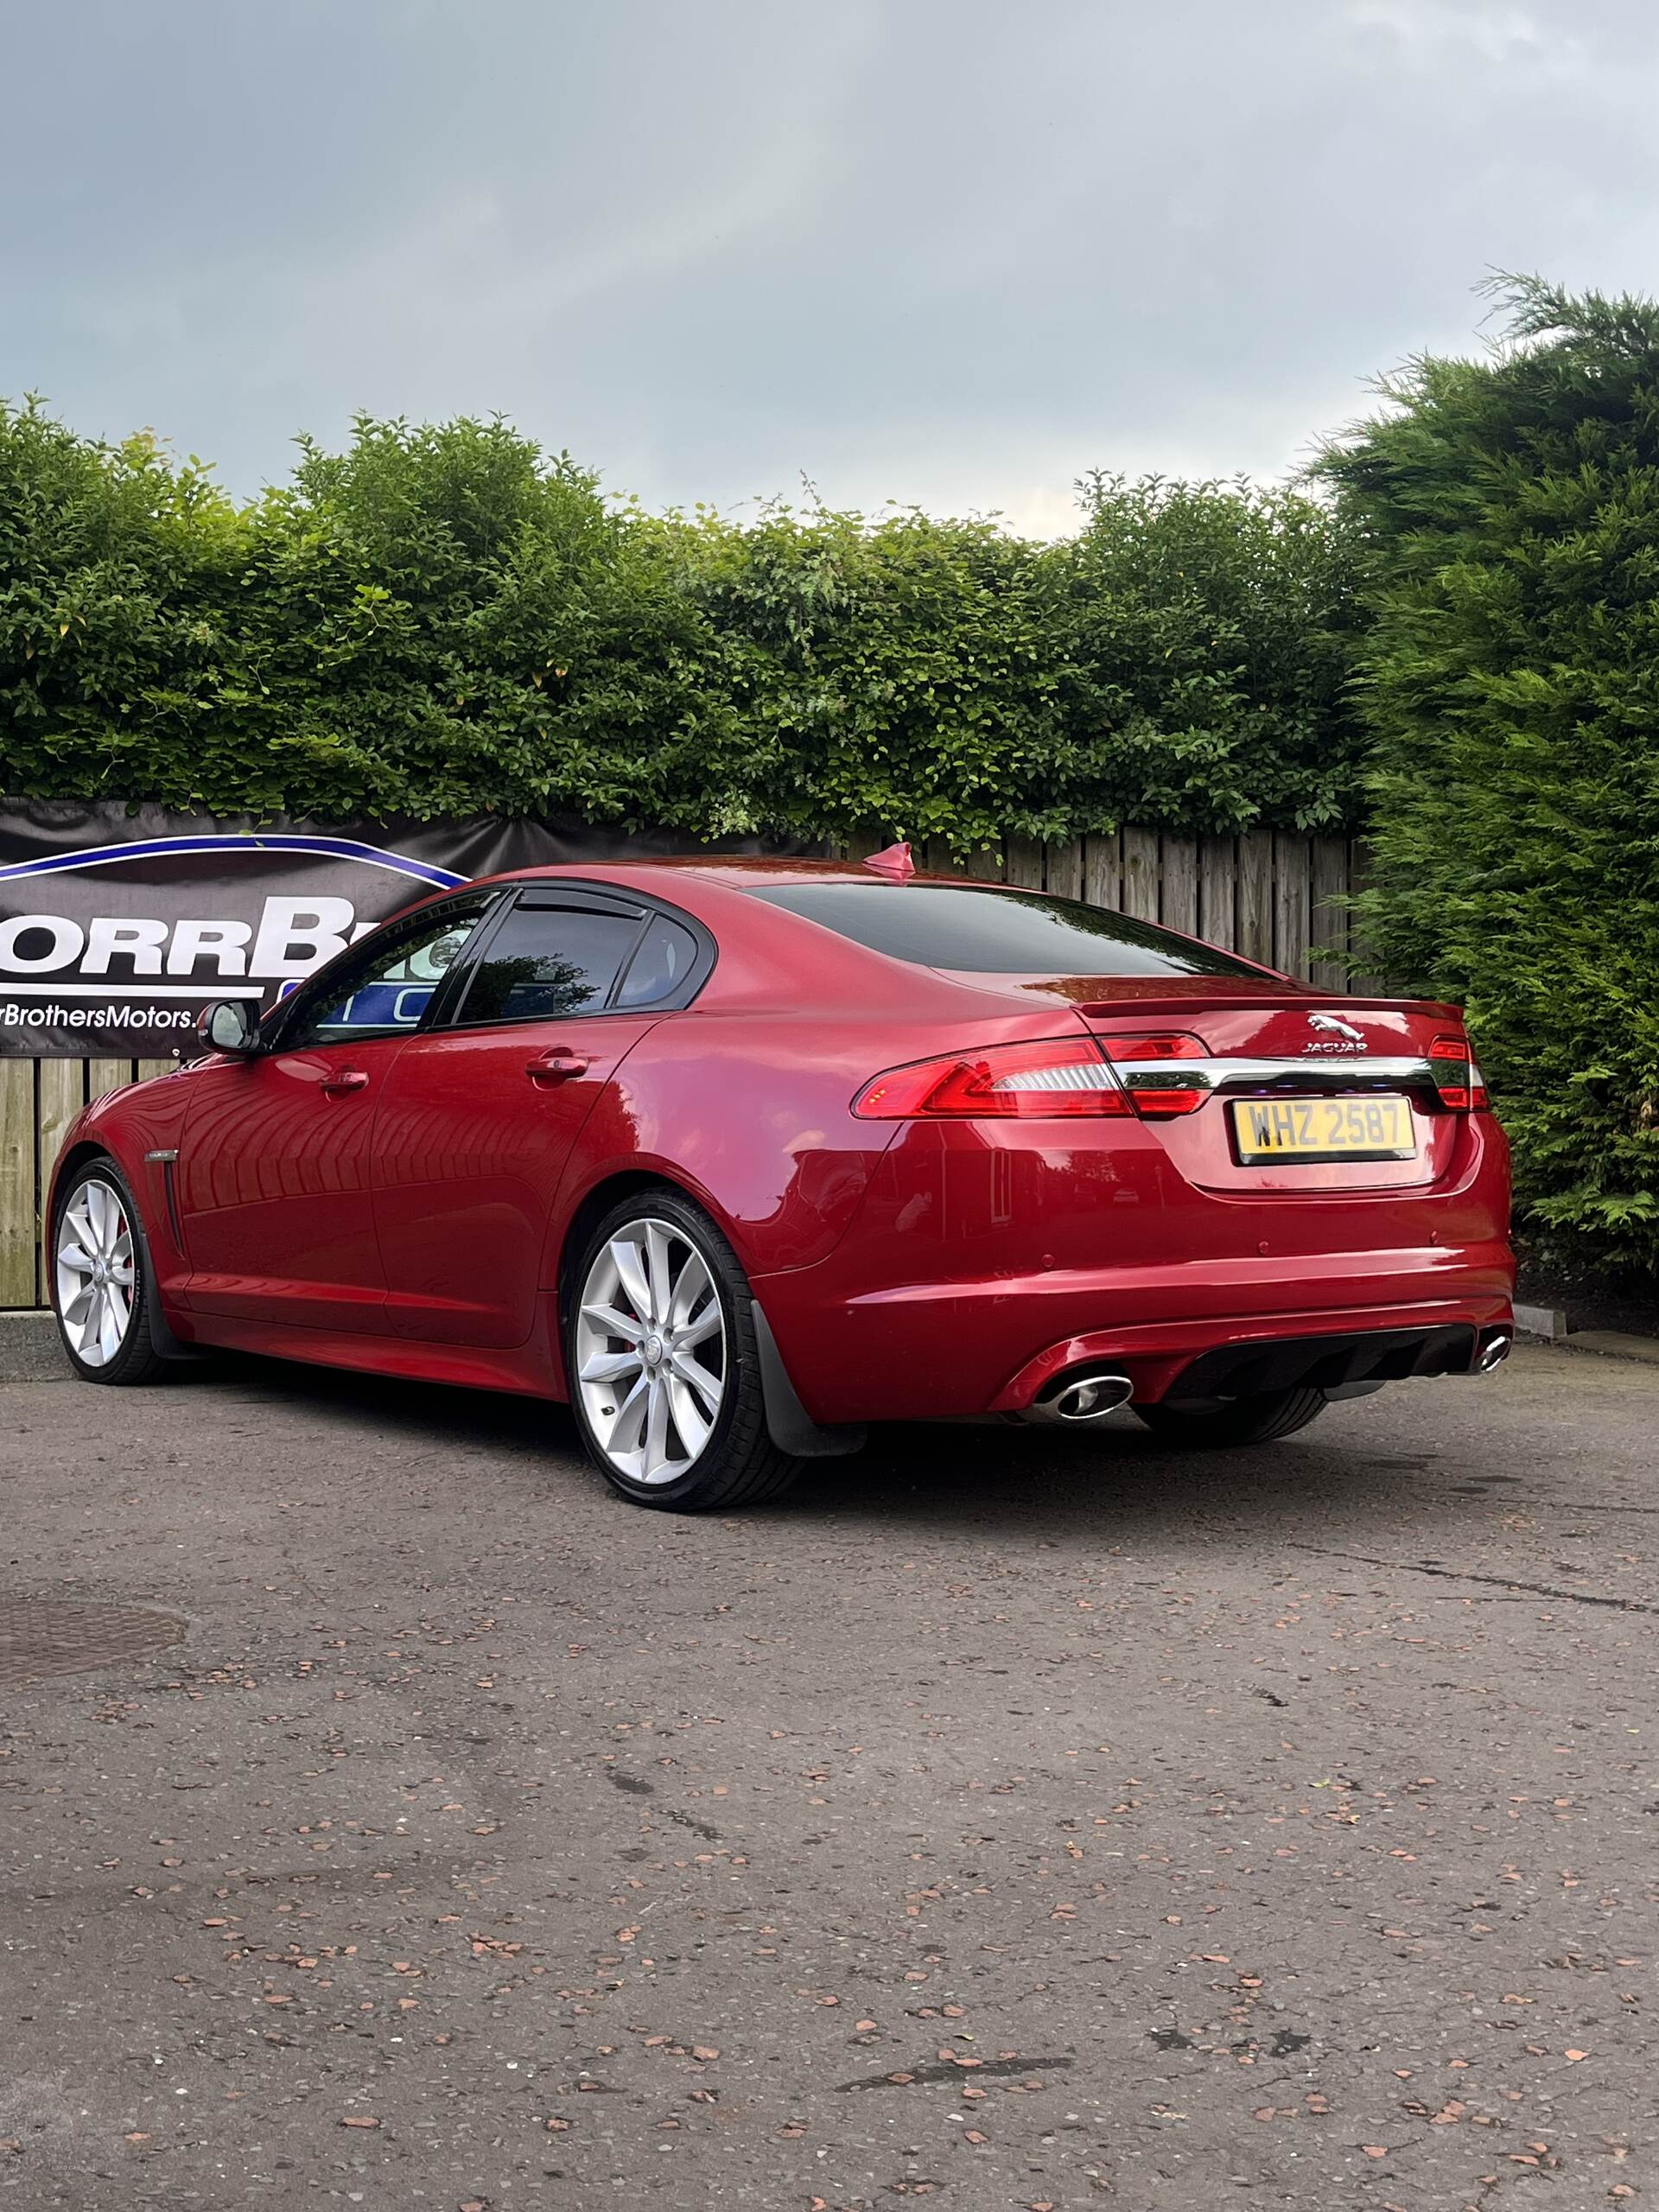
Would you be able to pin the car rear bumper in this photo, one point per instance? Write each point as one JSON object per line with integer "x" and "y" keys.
{"x": 942, "y": 1351}
{"x": 1328, "y": 1350}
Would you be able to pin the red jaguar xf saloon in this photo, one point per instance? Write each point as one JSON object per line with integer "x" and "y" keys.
{"x": 739, "y": 1156}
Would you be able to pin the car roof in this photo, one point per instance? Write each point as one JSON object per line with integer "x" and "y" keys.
{"x": 741, "y": 871}
{"x": 768, "y": 952}
{"x": 768, "y": 955}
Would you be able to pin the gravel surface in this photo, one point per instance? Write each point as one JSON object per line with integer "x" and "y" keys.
{"x": 1005, "y": 1820}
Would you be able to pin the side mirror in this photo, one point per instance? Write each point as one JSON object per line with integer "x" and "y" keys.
{"x": 229, "y": 1027}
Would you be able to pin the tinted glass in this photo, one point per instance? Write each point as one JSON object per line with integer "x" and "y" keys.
{"x": 546, "y": 962}
{"x": 666, "y": 956}
{"x": 386, "y": 989}
{"x": 998, "y": 932}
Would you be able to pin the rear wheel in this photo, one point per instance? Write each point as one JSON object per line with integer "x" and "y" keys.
{"x": 1259, "y": 1418}
{"x": 664, "y": 1374}
{"x": 101, "y": 1285}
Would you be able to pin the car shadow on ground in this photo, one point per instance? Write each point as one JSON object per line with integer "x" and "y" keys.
{"x": 996, "y": 1478}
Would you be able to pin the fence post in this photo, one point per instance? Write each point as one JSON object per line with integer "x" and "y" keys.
{"x": 18, "y": 1230}
{"x": 1178, "y": 904}
{"x": 62, "y": 1094}
{"x": 1330, "y": 918}
{"x": 1255, "y": 896}
{"x": 1103, "y": 871}
{"x": 1140, "y": 873}
{"x": 1065, "y": 870}
{"x": 1218, "y": 891}
{"x": 107, "y": 1075}
{"x": 1025, "y": 863}
{"x": 1291, "y": 925}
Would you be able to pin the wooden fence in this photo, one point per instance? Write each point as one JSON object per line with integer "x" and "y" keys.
{"x": 1269, "y": 896}
{"x": 1274, "y": 897}
{"x": 38, "y": 1101}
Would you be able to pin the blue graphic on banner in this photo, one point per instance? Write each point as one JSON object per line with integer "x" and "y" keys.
{"x": 345, "y": 849}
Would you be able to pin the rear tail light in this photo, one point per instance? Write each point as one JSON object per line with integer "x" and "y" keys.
{"x": 1059, "y": 1078}
{"x": 1155, "y": 1087}
{"x": 1456, "y": 1078}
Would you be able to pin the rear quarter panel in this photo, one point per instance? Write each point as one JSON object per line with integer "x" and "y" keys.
{"x": 752, "y": 1116}
{"x": 751, "y": 1110}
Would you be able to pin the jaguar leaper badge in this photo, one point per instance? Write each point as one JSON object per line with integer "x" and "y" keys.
{"x": 1336, "y": 1035}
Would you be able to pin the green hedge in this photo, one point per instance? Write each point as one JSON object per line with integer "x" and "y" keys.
{"x": 443, "y": 619}
{"x": 440, "y": 620}
{"x": 1508, "y": 510}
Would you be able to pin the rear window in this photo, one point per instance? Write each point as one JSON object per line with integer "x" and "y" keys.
{"x": 998, "y": 932}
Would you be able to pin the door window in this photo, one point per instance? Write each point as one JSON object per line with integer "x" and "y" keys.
{"x": 544, "y": 962}
{"x": 385, "y": 987}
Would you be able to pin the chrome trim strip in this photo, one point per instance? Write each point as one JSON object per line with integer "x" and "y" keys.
{"x": 1319, "y": 1075}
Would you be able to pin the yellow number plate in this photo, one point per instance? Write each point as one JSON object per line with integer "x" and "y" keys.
{"x": 1267, "y": 1129}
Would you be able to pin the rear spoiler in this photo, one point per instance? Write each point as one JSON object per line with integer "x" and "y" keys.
{"x": 1308, "y": 995}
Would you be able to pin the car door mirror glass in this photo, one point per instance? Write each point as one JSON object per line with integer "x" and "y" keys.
{"x": 229, "y": 1027}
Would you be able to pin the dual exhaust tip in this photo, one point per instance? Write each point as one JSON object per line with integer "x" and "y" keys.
{"x": 1092, "y": 1394}
{"x": 1086, "y": 1395}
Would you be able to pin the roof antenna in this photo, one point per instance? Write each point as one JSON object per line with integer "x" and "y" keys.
{"x": 895, "y": 864}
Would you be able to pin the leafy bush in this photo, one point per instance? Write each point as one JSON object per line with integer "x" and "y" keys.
{"x": 1212, "y": 625}
{"x": 442, "y": 620}
{"x": 1509, "y": 514}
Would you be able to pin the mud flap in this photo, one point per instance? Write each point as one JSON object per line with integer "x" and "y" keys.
{"x": 791, "y": 1428}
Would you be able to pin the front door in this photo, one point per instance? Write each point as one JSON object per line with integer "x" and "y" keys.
{"x": 274, "y": 1176}
{"x": 478, "y": 1119}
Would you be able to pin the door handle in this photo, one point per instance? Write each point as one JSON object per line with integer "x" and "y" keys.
{"x": 334, "y": 1086}
{"x": 556, "y": 1065}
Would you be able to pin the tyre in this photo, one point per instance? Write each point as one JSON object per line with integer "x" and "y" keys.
{"x": 102, "y": 1289}
{"x": 664, "y": 1368}
{"x": 1259, "y": 1418}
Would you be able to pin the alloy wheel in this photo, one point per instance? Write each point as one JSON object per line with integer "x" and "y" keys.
{"x": 650, "y": 1352}
{"x": 96, "y": 1272}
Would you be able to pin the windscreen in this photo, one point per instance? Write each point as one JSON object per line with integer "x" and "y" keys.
{"x": 999, "y": 933}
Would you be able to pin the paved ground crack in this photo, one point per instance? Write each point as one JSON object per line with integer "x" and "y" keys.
{"x": 1496, "y": 1581}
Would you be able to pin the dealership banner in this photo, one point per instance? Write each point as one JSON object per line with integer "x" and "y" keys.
{"x": 118, "y": 924}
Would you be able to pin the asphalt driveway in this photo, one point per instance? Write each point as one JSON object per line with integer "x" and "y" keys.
{"x": 1005, "y": 1820}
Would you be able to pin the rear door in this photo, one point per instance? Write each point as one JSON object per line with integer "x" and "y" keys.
{"x": 478, "y": 1118}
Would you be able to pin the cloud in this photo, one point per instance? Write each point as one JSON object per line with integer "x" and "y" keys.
{"x": 1435, "y": 32}
{"x": 946, "y": 252}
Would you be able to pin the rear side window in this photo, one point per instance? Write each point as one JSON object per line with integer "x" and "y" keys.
{"x": 998, "y": 932}
{"x": 547, "y": 962}
{"x": 667, "y": 954}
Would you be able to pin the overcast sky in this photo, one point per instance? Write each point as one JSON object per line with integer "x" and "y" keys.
{"x": 949, "y": 251}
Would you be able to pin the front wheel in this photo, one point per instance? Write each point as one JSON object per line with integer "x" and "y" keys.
{"x": 101, "y": 1285}
{"x": 1259, "y": 1419}
{"x": 663, "y": 1370}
